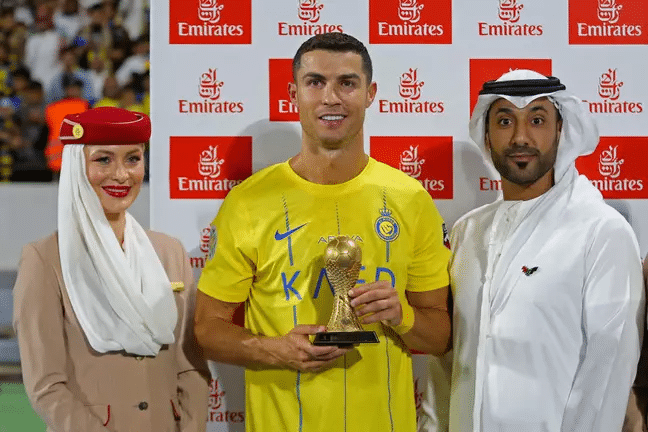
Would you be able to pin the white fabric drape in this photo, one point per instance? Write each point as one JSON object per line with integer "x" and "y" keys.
{"x": 122, "y": 298}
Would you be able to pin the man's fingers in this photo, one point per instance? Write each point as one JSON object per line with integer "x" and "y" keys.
{"x": 320, "y": 351}
{"x": 307, "y": 329}
{"x": 375, "y": 306}
{"x": 323, "y": 361}
{"x": 333, "y": 354}
{"x": 372, "y": 286}
{"x": 386, "y": 317}
{"x": 374, "y": 295}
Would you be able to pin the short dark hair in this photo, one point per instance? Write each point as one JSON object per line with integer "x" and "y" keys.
{"x": 337, "y": 42}
{"x": 70, "y": 80}
{"x": 34, "y": 85}
{"x": 21, "y": 72}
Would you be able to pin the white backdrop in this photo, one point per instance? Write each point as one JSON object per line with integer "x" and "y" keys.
{"x": 219, "y": 107}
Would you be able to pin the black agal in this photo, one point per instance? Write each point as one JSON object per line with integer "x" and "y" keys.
{"x": 527, "y": 87}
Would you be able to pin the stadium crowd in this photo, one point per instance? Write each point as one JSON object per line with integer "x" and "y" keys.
{"x": 59, "y": 57}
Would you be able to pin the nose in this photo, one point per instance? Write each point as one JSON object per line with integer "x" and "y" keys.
{"x": 520, "y": 134}
{"x": 121, "y": 173}
{"x": 330, "y": 96}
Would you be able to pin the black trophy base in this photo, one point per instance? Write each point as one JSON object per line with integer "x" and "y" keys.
{"x": 345, "y": 339}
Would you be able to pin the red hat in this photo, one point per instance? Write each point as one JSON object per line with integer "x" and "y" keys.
{"x": 106, "y": 125}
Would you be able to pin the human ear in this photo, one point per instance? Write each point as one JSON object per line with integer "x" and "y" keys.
{"x": 371, "y": 94}
{"x": 292, "y": 93}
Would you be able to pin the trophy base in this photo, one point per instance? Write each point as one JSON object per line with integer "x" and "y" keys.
{"x": 345, "y": 339}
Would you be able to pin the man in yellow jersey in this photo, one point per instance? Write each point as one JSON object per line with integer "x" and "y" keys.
{"x": 272, "y": 232}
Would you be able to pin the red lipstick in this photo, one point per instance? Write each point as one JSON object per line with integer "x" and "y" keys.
{"x": 117, "y": 191}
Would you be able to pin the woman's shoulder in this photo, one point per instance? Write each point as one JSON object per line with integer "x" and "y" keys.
{"x": 45, "y": 247}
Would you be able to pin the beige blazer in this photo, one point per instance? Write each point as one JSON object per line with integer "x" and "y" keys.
{"x": 74, "y": 388}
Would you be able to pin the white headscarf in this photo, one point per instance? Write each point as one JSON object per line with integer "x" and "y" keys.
{"x": 579, "y": 135}
{"x": 122, "y": 298}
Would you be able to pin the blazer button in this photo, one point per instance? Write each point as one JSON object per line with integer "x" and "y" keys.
{"x": 142, "y": 406}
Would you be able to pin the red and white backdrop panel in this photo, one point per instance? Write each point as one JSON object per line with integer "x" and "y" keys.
{"x": 220, "y": 108}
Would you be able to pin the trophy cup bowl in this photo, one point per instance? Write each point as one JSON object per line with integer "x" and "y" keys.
{"x": 342, "y": 260}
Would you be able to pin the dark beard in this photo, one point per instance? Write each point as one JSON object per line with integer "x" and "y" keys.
{"x": 524, "y": 175}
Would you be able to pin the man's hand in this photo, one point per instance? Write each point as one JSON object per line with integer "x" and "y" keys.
{"x": 430, "y": 330}
{"x": 295, "y": 351}
{"x": 377, "y": 301}
{"x": 224, "y": 341}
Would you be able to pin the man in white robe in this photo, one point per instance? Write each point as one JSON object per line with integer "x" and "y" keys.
{"x": 547, "y": 281}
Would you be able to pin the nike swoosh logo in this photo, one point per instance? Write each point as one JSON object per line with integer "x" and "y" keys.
{"x": 281, "y": 236}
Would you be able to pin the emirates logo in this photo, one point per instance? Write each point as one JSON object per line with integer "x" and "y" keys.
{"x": 209, "y": 11}
{"x": 409, "y": 11}
{"x": 215, "y": 395}
{"x": 608, "y": 11}
{"x": 410, "y": 22}
{"x": 209, "y": 85}
{"x": 609, "y": 89}
{"x": 209, "y": 164}
{"x": 410, "y": 87}
{"x": 600, "y": 22}
{"x": 617, "y": 168}
{"x": 509, "y": 10}
{"x": 209, "y": 89}
{"x": 609, "y": 164}
{"x": 309, "y": 10}
{"x": 426, "y": 159}
{"x": 609, "y": 86}
{"x": 197, "y": 172}
{"x": 203, "y": 22}
{"x": 410, "y": 163}
{"x": 219, "y": 408}
{"x": 205, "y": 236}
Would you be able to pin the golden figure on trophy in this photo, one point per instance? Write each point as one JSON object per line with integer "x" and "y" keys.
{"x": 342, "y": 260}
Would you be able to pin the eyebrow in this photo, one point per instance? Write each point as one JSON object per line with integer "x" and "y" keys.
{"x": 316, "y": 75}
{"x": 538, "y": 108}
{"x": 508, "y": 110}
{"x": 108, "y": 152}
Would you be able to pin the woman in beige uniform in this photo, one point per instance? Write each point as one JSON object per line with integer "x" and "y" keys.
{"x": 102, "y": 308}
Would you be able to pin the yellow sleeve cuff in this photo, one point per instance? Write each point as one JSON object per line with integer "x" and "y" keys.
{"x": 408, "y": 319}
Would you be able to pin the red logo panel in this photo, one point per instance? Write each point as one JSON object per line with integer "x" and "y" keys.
{"x": 427, "y": 159}
{"x": 482, "y": 70}
{"x": 410, "y": 22}
{"x": 281, "y": 109}
{"x": 608, "y": 22}
{"x": 208, "y": 167}
{"x": 210, "y": 22}
{"x": 617, "y": 167}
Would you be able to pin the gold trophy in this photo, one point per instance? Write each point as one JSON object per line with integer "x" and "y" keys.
{"x": 342, "y": 260}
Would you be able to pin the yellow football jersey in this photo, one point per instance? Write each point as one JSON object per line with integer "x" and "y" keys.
{"x": 272, "y": 231}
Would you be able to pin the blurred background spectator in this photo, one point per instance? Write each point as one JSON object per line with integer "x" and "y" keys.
{"x": 43, "y": 45}
{"x": 61, "y": 56}
{"x": 67, "y": 19}
{"x": 70, "y": 70}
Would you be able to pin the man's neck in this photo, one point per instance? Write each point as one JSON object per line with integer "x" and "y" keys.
{"x": 326, "y": 166}
{"x": 515, "y": 192}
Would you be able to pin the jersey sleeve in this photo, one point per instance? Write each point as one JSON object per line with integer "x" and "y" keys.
{"x": 429, "y": 267}
{"x": 230, "y": 265}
